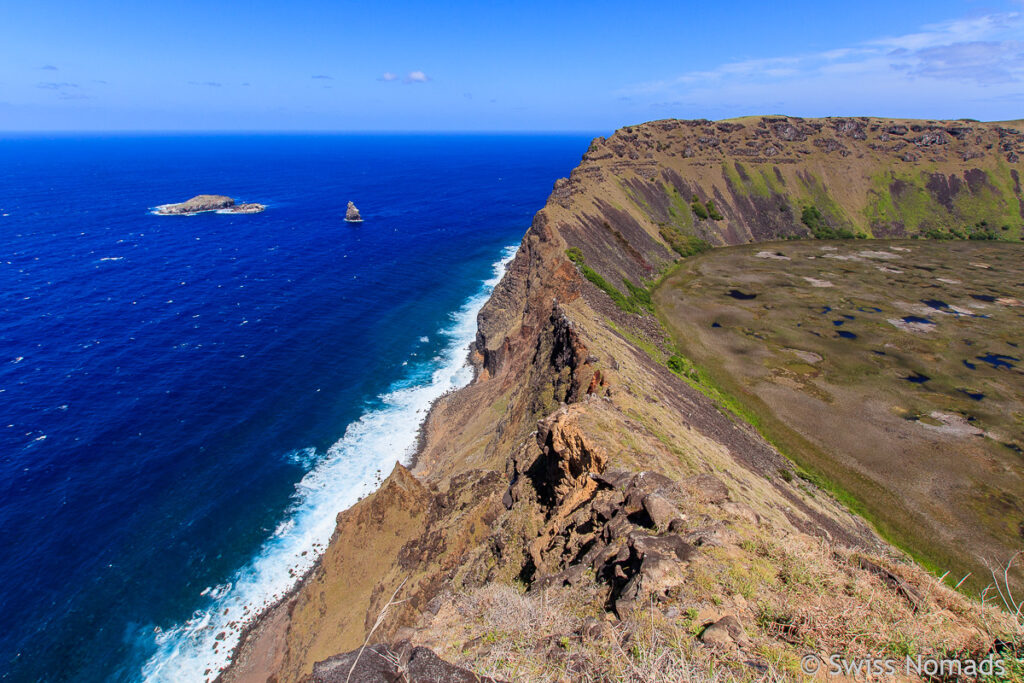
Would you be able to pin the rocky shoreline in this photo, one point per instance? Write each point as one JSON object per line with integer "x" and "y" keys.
{"x": 204, "y": 203}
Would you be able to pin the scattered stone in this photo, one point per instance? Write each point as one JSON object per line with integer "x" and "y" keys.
{"x": 708, "y": 488}
{"x": 815, "y": 282}
{"x": 741, "y": 511}
{"x": 727, "y": 632}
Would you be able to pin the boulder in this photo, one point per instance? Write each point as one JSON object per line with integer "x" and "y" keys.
{"x": 660, "y": 510}
{"x": 727, "y": 632}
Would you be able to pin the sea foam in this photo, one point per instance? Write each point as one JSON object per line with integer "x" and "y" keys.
{"x": 351, "y": 468}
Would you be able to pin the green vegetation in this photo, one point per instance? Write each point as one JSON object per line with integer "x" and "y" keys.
{"x": 972, "y": 210}
{"x": 979, "y": 231}
{"x": 684, "y": 245}
{"x": 815, "y": 221}
{"x": 706, "y": 210}
{"x": 753, "y": 358}
{"x": 639, "y": 295}
{"x": 758, "y": 181}
{"x": 699, "y": 379}
{"x": 699, "y": 210}
{"x": 712, "y": 211}
{"x": 639, "y": 299}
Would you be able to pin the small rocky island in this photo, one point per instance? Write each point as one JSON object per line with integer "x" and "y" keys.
{"x": 207, "y": 202}
{"x": 352, "y": 214}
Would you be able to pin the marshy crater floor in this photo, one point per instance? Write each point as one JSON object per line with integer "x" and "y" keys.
{"x": 901, "y": 381}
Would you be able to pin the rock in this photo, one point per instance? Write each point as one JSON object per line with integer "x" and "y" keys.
{"x": 727, "y": 632}
{"x": 714, "y": 535}
{"x": 247, "y": 208}
{"x": 668, "y": 545}
{"x": 207, "y": 202}
{"x": 391, "y": 664}
{"x": 594, "y": 629}
{"x": 612, "y": 478}
{"x": 708, "y": 488}
{"x": 567, "y": 577}
{"x": 352, "y": 214}
{"x": 677, "y": 525}
{"x": 660, "y": 510}
{"x": 657, "y": 575}
{"x": 741, "y": 511}
{"x": 662, "y": 559}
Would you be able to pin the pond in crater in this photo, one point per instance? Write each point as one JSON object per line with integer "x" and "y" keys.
{"x": 998, "y": 360}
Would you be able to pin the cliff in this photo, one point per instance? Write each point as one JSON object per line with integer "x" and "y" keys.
{"x": 581, "y": 510}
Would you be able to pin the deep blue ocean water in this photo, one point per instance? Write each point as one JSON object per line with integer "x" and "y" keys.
{"x": 187, "y": 401}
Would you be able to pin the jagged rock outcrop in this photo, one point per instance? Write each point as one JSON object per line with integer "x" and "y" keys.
{"x": 208, "y": 202}
{"x": 352, "y": 214}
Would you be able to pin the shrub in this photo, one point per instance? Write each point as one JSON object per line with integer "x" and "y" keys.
{"x": 982, "y": 231}
{"x": 575, "y": 255}
{"x": 638, "y": 299}
{"x": 819, "y": 227}
{"x": 712, "y": 211}
{"x": 699, "y": 210}
{"x": 638, "y": 294}
{"x": 684, "y": 245}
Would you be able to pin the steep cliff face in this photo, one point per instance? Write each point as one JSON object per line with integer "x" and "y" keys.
{"x": 576, "y": 464}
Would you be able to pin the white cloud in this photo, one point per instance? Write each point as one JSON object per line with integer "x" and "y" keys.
{"x": 982, "y": 58}
{"x": 416, "y": 77}
{"x": 388, "y": 76}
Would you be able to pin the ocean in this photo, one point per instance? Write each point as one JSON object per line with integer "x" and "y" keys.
{"x": 186, "y": 402}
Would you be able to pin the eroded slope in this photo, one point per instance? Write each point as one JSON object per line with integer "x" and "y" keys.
{"x": 579, "y": 468}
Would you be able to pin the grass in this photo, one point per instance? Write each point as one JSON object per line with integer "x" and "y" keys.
{"x": 637, "y": 301}
{"x": 819, "y": 227}
{"x": 991, "y": 203}
{"x": 898, "y": 519}
{"x": 682, "y": 244}
{"x": 705, "y": 210}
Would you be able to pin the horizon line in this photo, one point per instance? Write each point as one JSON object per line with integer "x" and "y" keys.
{"x": 294, "y": 131}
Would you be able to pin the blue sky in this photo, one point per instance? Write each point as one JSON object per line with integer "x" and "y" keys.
{"x": 571, "y": 66}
